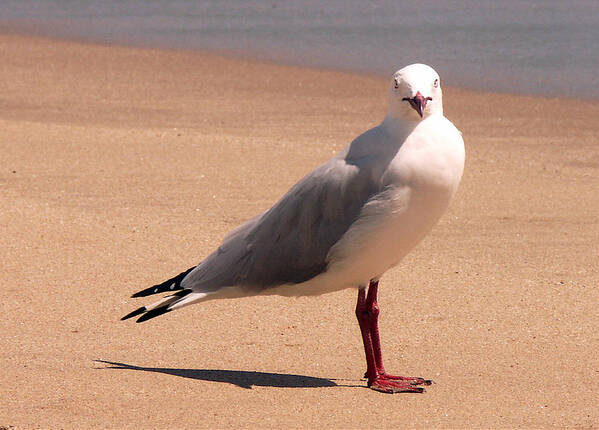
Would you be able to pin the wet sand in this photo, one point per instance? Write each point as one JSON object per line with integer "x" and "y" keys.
{"x": 120, "y": 167}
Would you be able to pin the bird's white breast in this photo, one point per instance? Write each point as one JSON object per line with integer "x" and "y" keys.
{"x": 418, "y": 186}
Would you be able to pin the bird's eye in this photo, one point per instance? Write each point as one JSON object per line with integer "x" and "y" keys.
{"x": 396, "y": 83}
{"x": 436, "y": 83}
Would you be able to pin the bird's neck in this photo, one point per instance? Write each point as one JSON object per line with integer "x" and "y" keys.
{"x": 399, "y": 126}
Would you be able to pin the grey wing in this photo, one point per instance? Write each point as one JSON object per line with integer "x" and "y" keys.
{"x": 289, "y": 243}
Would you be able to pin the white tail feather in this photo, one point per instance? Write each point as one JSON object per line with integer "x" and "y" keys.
{"x": 165, "y": 301}
{"x": 187, "y": 300}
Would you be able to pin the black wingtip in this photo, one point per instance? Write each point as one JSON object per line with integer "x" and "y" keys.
{"x": 172, "y": 284}
{"x": 134, "y": 313}
{"x": 152, "y": 290}
{"x": 152, "y": 314}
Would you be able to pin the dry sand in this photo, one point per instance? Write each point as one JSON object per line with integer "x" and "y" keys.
{"x": 120, "y": 167}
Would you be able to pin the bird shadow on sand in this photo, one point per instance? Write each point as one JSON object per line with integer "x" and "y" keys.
{"x": 241, "y": 378}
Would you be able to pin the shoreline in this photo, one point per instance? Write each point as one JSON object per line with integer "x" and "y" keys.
{"x": 122, "y": 165}
{"x": 240, "y": 56}
{"x": 558, "y": 107}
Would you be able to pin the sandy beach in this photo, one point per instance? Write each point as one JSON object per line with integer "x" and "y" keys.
{"x": 120, "y": 167}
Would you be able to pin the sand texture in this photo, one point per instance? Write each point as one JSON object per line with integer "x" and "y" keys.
{"x": 120, "y": 167}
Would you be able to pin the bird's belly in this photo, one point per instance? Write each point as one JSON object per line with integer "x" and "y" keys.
{"x": 406, "y": 228}
{"x": 379, "y": 240}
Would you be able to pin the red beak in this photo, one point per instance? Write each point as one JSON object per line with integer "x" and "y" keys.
{"x": 418, "y": 102}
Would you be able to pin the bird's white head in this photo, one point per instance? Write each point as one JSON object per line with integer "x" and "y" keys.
{"x": 415, "y": 93}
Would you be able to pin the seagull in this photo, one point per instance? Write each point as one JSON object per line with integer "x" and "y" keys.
{"x": 345, "y": 224}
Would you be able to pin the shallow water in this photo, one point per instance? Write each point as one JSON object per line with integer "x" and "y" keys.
{"x": 548, "y": 47}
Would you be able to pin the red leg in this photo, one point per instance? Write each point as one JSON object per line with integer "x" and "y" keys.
{"x": 364, "y": 322}
{"x": 367, "y": 312}
{"x": 373, "y": 309}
